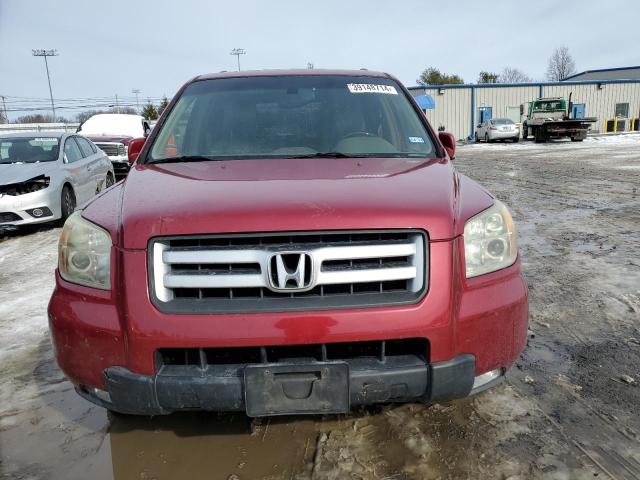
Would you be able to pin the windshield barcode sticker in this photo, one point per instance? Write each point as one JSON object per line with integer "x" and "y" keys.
{"x": 371, "y": 88}
{"x": 416, "y": 139}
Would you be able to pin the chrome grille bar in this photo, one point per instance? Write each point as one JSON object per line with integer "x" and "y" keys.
{"x": 233, "y": 269}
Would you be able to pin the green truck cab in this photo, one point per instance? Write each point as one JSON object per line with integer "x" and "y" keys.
{"x": 551, "y": 118}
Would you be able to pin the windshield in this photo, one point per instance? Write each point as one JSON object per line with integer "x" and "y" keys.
{"x": 550, "y": 106}
{"x": 502, "y": 121}
{"x": 292, "y": 116}
{"x": 29, "y": 149}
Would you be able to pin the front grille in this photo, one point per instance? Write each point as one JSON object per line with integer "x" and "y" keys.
{"x": 381, "y": 350}
{"x": 112, "y": 149}
{"x": 6, "y": 217}
{"x": 242, "y": 273}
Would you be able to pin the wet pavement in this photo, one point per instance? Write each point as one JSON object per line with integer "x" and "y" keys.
{"x": 566, "y": 410}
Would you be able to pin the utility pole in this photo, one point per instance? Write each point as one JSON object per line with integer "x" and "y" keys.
{"x": 237, "y": 52}
{"x": 117, "y": 104}
{"x": 136, "y": 91}
{"x": 4, "y": 107}
{"x": 45, "y": 54}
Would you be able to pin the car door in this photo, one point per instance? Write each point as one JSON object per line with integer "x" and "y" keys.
{"x": 95, "y": 165}
{"x": 76, "y": 165}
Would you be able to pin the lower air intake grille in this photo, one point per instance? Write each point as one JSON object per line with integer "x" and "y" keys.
{"x": 9, "y": 217}
{"x": 290, "y": 271}
{"x": 240, "y": 356}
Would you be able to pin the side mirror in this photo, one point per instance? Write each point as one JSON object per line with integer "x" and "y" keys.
{"x": 448, "y": 142}
{"x": 135, "y": 147}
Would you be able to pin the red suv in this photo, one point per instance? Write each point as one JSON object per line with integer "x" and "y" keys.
{"x": 288, "y": 242}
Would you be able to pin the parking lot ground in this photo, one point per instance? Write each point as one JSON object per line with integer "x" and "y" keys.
{"x": 568, "y": 410}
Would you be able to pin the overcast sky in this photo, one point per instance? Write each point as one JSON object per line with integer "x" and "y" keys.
{"x": 110, "y": 47}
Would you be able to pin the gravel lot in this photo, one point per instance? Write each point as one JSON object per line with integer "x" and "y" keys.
{"x": 569, "y": 409}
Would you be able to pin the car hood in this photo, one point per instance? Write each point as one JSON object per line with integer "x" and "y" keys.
{"x": 19, "y": 172}
{"x": 124, "y": 139}
{"x": 288, "y": 195}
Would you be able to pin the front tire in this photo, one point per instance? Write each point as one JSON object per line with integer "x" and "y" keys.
{"x": 516, "y": 139}
{"x": 540, "y": 135}
{"x": 67, "y": 202}
{"x": 486, "y": 138}
{"x": 109, "y": 181}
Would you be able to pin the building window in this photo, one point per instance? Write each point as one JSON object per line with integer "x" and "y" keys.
{"x": 622, "y": 110}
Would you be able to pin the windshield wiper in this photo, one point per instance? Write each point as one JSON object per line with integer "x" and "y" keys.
{"x": 183, "y": 158}
{"x": 327, "y": 155}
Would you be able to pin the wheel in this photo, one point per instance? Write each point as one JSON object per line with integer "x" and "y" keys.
{"x": 486, "y": 138}
{"x": 525, "y": 131}
{"x": 109, "y": 181}
{"x": 477, "y": 138}
{"x": 516, "y": 139}
{"x": 574, "y": 139}
{"x": 67, "y": 202}
{"x": 540, "y": 135}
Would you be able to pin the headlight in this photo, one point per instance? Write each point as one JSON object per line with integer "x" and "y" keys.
{"x": 84, "y": 253}
{"x": 490, "y": 241}
{"x": 28, "y": 186}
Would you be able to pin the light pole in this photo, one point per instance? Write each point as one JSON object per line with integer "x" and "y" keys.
{"x": 237, "y": 52}
{"x": 136, "y": 91}
{"x": 45, "y": 54}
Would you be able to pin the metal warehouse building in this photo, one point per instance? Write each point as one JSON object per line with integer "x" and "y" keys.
{"x": 615, "y": 102}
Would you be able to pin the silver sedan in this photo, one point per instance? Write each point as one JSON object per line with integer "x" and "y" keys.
{"x": 498, "y": 129}
{"x": 45, "y": 175}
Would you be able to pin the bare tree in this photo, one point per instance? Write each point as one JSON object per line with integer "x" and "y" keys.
{"x": 39, "y": 118}
{"x": 561, "y": 65}
{"x": 513, "y": 75}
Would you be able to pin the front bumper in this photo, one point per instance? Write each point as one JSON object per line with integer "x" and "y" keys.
{"x": 36, "y": 207}
{"x": 95, "y": 332}
{"x": 121, "y": 165}
{"x": 222, "y": 388}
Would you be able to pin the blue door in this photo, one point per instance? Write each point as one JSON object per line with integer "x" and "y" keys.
{"x": 484, "y": 114}
{"x": 578, "y": 110}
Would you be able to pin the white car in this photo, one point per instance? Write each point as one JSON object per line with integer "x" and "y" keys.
{"x": 498, "y": 129}
{"x": 45, "y": 175}
{"x": 112, "y": 132}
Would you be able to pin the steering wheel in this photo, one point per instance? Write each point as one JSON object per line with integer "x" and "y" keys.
{"x": 360, "y": 133}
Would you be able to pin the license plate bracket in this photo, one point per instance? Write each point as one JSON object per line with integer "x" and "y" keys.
{"x": 296, "y": 388}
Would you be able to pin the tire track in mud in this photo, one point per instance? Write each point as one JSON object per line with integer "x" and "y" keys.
{"x": 571, "y": 363}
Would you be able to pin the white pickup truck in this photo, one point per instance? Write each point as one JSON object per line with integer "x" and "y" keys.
{"x": 112, "y": 132}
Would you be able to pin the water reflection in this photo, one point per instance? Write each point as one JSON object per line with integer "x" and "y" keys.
{"x": 212, "y": 446}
